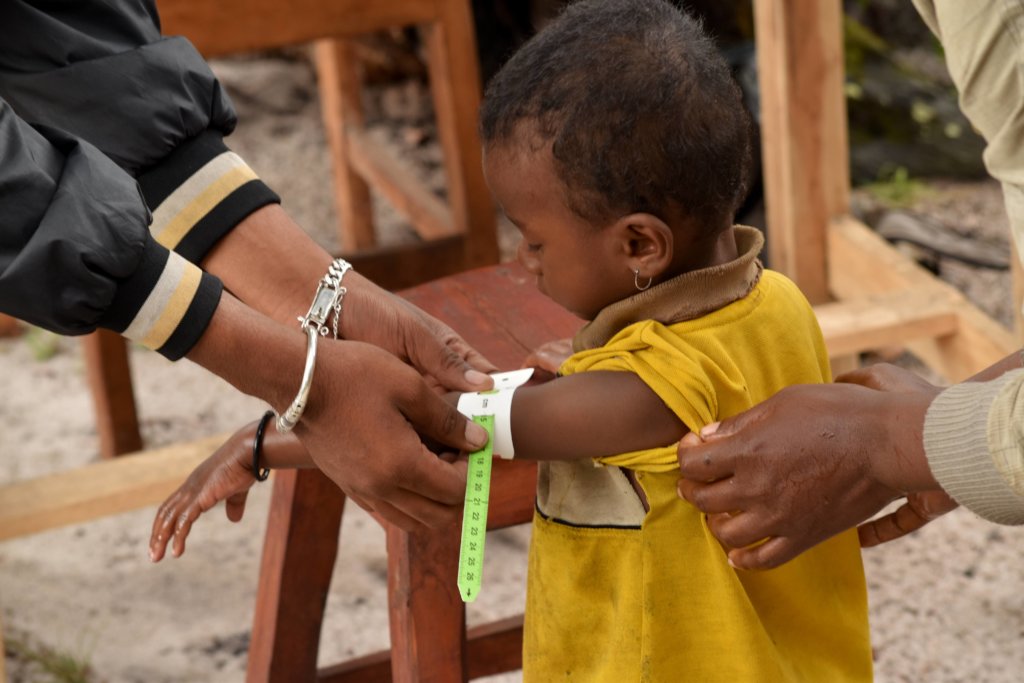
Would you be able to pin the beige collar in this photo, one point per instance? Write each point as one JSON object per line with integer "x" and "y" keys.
{"x": 684, "y": 297}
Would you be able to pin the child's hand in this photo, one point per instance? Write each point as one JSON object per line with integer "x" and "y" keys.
{"x": 548, "y": 357}
{"x": 225, "y": 475}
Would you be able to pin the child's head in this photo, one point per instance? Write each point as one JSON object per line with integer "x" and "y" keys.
{"x": 616, "y": 137}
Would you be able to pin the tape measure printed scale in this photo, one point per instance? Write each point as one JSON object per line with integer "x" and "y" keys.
{"x": 474, "y": 514}
{"x": 491, "y": 410}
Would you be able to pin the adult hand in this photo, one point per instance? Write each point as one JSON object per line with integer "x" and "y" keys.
{"x": 445, "y": 360}
{"x": 357, "y": 430}
{"x": 918, "y": 508}
{"x": 360, "y": 423}
{"x": 806, "y": 464}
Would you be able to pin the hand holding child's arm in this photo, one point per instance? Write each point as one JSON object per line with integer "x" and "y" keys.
{"x": 226, "y": 475}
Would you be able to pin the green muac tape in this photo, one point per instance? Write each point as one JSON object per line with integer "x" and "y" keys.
{"x": 474, "y": 514}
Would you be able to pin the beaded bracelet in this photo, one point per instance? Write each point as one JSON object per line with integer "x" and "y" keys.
{"x": 261, "y": 473}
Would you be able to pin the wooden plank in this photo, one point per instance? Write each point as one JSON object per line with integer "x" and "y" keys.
{"x": 401, "y": 266}
{"x": 425, "y": 211}
{"x": 341, "y": 108}
{"x": 492, "y": 648}
{"x": 99, "y": 489}
{"x": 224, "y": 28}
{"x": 110, "y": 385}
{"x": 803, "y": 124}
{"x": 9, "y": 327}
{"x": 455, "y": 86}
{"x": 864, "y": 264}
{"x": 299, "y": 552}
{"x": 889, "y": 319}
{"x": 496, "y": 647}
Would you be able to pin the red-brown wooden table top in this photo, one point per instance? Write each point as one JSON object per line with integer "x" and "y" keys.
{"x": 497, "y": 310}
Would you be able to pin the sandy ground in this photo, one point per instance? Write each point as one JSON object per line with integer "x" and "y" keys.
{"x": 946, "y": 604}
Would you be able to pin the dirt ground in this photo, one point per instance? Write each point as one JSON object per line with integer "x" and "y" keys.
{"x": 946, "y": 604}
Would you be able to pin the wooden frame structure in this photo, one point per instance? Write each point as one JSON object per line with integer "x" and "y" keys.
{"x": 866, "y": 296}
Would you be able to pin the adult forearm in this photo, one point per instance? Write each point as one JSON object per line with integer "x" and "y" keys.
{"x": 289, "y": 263}
{"x": 254, "y": 354}
{"x": 270, "y": 263}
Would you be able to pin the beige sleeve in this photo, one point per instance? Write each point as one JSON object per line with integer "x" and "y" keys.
{"x": 974, "y": 440}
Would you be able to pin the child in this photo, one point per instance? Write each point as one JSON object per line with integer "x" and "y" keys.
{"x": 616, "y": 142}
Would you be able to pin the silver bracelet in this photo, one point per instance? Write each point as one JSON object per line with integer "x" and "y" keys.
{"x": 326, "y": 301}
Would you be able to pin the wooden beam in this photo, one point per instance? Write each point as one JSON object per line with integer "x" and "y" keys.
{"x": 425, "y": 211}
{"x": 803, "y": 124}
{"x": 890, "y": 319}
{"x": 401, "y": 266}
{"x": 455, "y": 85}
{"x": 110, "y": 385}
{"x": 99, "y": 489}
{"x": 864, "y": 264}
{"x": 223, "y": 28}
{"x": 9, "y": 327}
{"x": 341, "y": 108}
{"x": 493, "y": 648}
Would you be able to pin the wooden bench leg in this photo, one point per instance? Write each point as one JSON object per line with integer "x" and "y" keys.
{"x": 455, "y": 86}
{"x": 427, "y": 617}
{"x": 342, "y": 108}
{"x": 295, "y": 574}
{"x": 110, "y": 382}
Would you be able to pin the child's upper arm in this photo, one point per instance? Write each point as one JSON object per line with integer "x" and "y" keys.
{"x": 591, "y": 414}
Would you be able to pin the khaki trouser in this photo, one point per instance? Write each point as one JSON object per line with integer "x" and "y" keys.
{"x": 984, "y": 45}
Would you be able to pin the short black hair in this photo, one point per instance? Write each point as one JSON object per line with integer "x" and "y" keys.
{"x": 640, "y": 108}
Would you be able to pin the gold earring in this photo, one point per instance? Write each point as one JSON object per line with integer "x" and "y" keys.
{"x": 636, "y": 280}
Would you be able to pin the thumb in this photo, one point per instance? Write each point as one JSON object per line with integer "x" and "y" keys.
{"x": 435, "y": 418}
{"x": 234, "y": 506}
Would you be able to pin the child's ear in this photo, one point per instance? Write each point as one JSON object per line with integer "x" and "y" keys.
{"x": 647, "y": 243}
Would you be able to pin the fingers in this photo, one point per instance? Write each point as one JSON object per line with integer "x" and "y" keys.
{"x": 886, "y": 377}
{"x": 433, "y": 417}
{"x": 163, "y": 527}
{"x": 701, "y": 459}
{"x": 768, "y": 555}
{"x": 439, "y": 352}
{"x": 736, "y": 530}
{"x": 918, "y": 510}
{"x": 716, "y": 497}
{"x": 182, "y": 528}
{"x": 414, "y": 513}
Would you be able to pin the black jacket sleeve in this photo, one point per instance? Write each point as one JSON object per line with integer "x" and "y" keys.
{"x": 75, "y": 249}
{"x": 100, "y": 72}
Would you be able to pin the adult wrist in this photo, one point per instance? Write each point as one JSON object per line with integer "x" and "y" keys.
{"x": 323, "y": 317}
{"x": 899, "y": 461}
{"x": 237, "y": 344}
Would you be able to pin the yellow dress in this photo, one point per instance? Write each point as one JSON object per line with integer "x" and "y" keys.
{"x": 618, "y": 594}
